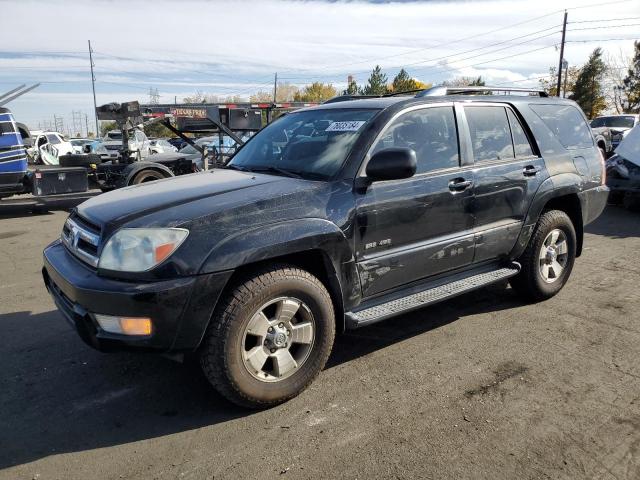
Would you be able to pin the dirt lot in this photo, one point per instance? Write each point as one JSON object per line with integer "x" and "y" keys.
{"x": 480, "y": 387}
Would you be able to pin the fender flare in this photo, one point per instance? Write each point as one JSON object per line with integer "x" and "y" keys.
{"x": 290, "y": 237}
{"x": 278, "y": 239}
{"x": 553, "y": 187}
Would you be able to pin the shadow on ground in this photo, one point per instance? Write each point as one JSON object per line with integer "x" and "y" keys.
{"x": 616, "y": 222}
{"x": 61, "y": 396}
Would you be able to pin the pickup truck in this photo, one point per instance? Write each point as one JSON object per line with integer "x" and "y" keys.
{"x": 331, "y": 218}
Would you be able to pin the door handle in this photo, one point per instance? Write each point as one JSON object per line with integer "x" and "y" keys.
{"x": 530, "y": 171}
{"x": 459, "y": 184}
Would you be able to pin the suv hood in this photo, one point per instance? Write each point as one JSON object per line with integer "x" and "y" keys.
{"x": 127, "y": 204}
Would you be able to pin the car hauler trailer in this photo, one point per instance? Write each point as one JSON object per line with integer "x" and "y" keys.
{"x": 47, "y": 185}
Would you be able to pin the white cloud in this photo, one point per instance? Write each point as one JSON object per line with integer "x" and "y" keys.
{"x": 227, "y": 46}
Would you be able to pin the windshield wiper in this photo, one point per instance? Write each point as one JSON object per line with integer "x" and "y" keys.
{"x": 237, "y": 167}
{"x": 271, "y": 169}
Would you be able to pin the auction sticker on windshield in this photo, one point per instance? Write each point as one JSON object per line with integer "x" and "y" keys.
{"x": 353, "y": 126}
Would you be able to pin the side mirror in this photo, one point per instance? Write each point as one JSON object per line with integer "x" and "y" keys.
{"x": 86, "y": 148}
{"x": 392, "y": 164}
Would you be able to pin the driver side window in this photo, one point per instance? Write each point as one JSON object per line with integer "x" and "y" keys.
{"x": 430, "y": 132}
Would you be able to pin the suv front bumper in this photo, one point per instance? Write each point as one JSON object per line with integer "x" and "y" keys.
{"x": 179, "y": 308}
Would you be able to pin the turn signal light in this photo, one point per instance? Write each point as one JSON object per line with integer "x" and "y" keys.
{"x": 124, "y": 325}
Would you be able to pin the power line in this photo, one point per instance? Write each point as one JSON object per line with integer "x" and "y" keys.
{"x": 606, "y": 20}
{"x": 606, "y": 26}
{"x": 601, "y": 40}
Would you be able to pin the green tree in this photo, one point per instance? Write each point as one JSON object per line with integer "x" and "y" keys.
{"x": 106, "y": 127}
{"x": 550, "y": 84}
{"x": 157, "y": 130}
{"x": 588, "y": 89}
{"x": 631, "y": 83}
{"x": 352, "y": 88}
{"x": 316, "y": 92}
{"x": 377, "y": 83}
{"x": 464, "y": 82}
{"x": 402, "y": 82}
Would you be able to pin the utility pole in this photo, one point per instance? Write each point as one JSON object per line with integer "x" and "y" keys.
{"x": 93, "y": 87}
{"x": 275, "y": 88}
{"x": 564, "y": 33}
{"x": 565, "y": 64}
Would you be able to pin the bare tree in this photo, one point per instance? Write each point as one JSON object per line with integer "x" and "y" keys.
{"x": 617, "y": 66}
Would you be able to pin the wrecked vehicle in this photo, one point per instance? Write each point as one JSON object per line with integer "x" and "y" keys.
{"x": 618, "y": 125}
{"x": 331, "y": 218}
{"x": 623, "y": 171}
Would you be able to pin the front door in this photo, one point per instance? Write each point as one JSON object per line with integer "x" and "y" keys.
{"x": 414, "y": 228}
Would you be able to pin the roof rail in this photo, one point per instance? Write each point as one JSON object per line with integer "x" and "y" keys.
{"x": 478, "y": 90}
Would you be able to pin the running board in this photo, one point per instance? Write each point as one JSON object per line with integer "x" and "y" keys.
{"x": 428, "y": 296}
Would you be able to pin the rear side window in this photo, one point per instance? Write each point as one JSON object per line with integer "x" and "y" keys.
{"x": 567, "y": 124}
{"x": 6, "y": 127}
{"x": 521, "y": 143}
{"x": 430, "y": 132}
{"x": 490, "y": 133}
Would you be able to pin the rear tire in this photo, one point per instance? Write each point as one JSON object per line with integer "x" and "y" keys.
{"x": 548, "y": 259}
{"x": 247, "y": 360}
{"x": 147, "y": 176}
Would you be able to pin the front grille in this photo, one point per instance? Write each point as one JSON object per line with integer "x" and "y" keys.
{"x": 82, "y": 239}
{"x": 113, "y": 147}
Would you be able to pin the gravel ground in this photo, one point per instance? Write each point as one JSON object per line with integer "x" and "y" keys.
{"x": 482, "y": 386}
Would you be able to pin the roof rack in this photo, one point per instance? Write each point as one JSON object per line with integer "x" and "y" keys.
{"x": 478, "y": 90}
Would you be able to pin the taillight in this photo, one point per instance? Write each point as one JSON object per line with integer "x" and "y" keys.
{"x": 603, "y": 164}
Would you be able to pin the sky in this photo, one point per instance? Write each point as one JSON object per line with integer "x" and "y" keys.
{"x": 225, "y": 47}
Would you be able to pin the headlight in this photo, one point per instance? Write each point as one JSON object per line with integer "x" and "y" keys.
{"x": 140, "y": 249}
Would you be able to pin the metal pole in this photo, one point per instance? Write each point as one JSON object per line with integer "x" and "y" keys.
{"x": 275, "y": 88}
{"x": 564, "y": 33}
{"x": 566, "y": 74}
{"x": 93, "y": 87}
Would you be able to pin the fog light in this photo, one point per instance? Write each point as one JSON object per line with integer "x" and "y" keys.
{"x": 124, "y": 325}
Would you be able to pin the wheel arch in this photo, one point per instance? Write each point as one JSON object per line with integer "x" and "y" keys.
{"x": 560, "y": 192}
{"x": 315, "y": 245}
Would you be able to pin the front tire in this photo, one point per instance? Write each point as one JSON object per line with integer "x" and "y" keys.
{"x": 548, "y": 259}
{"x": 269, "y": 338}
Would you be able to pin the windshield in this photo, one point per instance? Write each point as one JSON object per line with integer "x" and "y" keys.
{"x": 613, "y": 122}
{"x": 114, "y": 135}
{"x": 312, "y": 144}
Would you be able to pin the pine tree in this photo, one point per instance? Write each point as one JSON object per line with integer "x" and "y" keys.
{"x": 352, "y": 88}
{"x": 402, "y": 82}
{"x": 588, "y": 89}
{"x": 631, "y": 83}
{"x": 377, "y": 83}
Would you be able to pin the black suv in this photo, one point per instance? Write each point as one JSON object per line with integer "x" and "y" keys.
{"x": 331, "y": 218}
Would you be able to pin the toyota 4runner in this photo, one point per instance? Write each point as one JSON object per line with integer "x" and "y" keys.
{"x": 331, "y": 218}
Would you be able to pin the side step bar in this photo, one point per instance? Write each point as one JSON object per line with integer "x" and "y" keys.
{"x": 428, "y": 296}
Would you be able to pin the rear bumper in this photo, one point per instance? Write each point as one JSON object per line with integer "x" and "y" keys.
{"x": 593, "y": 202}
{"x": 180, "y": 308}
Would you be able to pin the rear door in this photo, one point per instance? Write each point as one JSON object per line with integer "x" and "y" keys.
{"x": 507, "y": 174}
{"x": 413, "y": 228}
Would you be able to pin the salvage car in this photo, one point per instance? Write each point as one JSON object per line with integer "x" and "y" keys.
{"x": 619, "y": 125}
{"x": 138, "y": 143}
{"x": 331, "y": 218}
{"x": 623, "y": 171}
